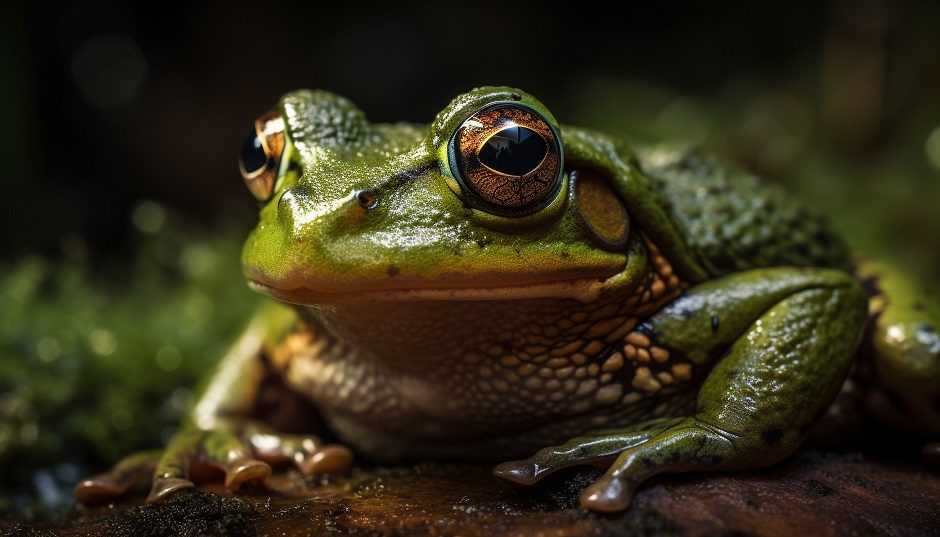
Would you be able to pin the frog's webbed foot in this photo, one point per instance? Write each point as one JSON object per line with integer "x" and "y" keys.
{"x": 244, "y": 450}
{"x": 598, "y": 448}
{"x": 630, "y": 456}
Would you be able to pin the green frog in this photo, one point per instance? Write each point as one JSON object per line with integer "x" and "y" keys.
{"x": 499, "y": 286}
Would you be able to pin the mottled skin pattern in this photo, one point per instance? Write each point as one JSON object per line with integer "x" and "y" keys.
{"x": 660, "y": 313}
{"x": 735, "y": 223}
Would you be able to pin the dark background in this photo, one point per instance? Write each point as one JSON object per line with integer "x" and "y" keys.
{"x": 107, "y": 102}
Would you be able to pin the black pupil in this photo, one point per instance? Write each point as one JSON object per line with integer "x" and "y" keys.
{"x": 253, "y": 157}
{"x": 514, "y": 151}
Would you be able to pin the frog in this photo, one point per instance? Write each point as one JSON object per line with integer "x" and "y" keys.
{"x": 498, "y": 286}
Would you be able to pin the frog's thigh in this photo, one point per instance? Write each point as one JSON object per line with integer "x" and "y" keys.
{"x": 759, "y": 401}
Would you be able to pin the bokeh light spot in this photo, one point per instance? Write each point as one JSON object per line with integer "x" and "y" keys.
{"x": 28, "y": 433}
{"x": 168, "y": 358}
{"x": 48, "y": 349}
{"x": 932, "y": 147}
{"x": 122, "y": 419}
{"x": 109, "y": 70}
{"x": 102, "y": 342}
{"x": 683, "y": 119}
{"x": 199, "y": 307}
{"x": 149, "y": 217}
{"x": 197, "y": 260}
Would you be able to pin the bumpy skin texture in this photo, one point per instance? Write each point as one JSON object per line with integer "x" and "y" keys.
{"x": 735, "y": 223}
{"x": 662, "y": 313}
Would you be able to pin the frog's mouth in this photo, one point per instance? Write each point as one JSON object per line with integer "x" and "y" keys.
{"x": 538, "y": 278}
{"x": 585, "y": 289}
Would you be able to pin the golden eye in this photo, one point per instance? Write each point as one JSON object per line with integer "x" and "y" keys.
{"x": 261, "y": 155}
{"x": 508, "y": 158}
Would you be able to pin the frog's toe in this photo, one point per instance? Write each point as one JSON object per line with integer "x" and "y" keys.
{"x": 228, "y": 451}
{"x": 609, "y": 494}
{"x": 245, "y": 470}
{"x": 165, "y": 486}
{"x": 308, "y": 453}
{"x": 522, "y": 472}
{"x": 173, "y": 468}
{"x": 330, "y": 459}
{"x": 115, "y": 483}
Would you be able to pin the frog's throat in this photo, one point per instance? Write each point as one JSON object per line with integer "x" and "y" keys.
{"x": 420, "y": 336}
{"x": 580, "y": 289}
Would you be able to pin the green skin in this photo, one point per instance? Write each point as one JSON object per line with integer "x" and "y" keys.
{"x": 770, "y": 314}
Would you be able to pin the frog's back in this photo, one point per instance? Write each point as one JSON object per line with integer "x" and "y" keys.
{"x": 732, "y": 221}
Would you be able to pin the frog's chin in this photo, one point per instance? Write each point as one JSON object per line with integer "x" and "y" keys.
{"x": 581, "y": 289}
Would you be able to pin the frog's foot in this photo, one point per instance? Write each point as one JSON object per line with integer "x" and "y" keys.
{"x": 597, "y": 448}
{"x": 630, "y": 457}
{"x": 244, "y": 451}
{"x": 690, "y": 444}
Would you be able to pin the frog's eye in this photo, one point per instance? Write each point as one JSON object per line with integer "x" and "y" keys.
{"x": 507, "y": 159}
{"x": 261, "y": 155}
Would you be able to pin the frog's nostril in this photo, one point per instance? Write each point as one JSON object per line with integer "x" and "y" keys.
{"x": 294, "y": 201}
{"x": 367, "y": 199}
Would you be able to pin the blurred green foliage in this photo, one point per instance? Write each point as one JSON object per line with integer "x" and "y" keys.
{"x": 96, "y": 366}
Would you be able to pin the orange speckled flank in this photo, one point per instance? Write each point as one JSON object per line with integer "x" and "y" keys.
{"x": 451, "y": 369}
{"x": 586, "y": 358}
{"x": 655, "y": 367}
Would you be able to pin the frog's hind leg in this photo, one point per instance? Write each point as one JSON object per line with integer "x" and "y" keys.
{"x": 786, "y": 338}
{"x": 904, "y": 344}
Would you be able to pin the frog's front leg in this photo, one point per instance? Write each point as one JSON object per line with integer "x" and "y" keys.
{"x": 219, "y": 435}
{"x": 785, "y": 338}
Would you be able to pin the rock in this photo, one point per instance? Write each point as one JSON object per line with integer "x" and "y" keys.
{"x": 813, "y": 493}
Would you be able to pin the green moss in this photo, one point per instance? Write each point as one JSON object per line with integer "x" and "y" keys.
{"x": 95, "y": 364}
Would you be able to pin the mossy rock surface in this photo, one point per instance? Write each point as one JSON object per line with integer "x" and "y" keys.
{"x": 813, "y": 493}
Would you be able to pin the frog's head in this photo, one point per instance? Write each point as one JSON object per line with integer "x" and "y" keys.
{"x": 492, "y": 200}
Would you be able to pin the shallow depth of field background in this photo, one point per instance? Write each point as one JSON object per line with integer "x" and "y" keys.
{"x": 122, "y": 209}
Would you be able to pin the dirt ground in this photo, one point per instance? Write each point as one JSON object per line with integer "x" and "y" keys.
{"x": 813, "y": 493}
